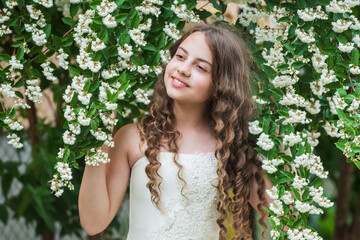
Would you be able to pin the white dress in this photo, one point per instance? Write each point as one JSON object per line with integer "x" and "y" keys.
{"x": 181, "y": 219}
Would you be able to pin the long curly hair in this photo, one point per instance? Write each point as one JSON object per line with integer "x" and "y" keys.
{"x": 229, "y": 112}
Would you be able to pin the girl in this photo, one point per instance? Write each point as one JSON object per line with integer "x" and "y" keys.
{"x": 190, "y": 159}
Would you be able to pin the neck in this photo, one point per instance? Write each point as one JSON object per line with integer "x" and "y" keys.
{"x": 190, "y": 117}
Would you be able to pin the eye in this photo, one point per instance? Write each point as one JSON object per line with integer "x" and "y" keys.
{"x": 179, "y": 56}
{"x": 201, "y": 68}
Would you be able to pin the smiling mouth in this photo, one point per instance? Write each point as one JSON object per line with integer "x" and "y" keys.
{"x": 179, "y": 82}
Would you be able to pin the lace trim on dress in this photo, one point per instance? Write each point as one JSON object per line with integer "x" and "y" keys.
{"x": 194, "y": 217}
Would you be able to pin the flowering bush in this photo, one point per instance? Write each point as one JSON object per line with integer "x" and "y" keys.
{"x": 113, "y": 51}
{"x": 309, "y": 79}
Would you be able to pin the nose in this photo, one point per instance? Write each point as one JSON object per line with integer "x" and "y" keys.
{"x": 184, "y": 69}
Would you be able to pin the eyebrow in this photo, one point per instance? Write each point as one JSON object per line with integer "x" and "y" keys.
{"x": 199, "y": 59}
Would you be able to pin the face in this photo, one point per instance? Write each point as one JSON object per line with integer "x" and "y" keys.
{"x": 188, "y": 74}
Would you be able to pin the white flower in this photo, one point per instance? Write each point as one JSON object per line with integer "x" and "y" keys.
{"x": 99, "y": 135}
{"x": 15, "y": 64}
{"x": 292, "y": 139}
{"x": 141, "y": 96}
{"x": 354, "y": 69}
{"x": 82, "y": 119}
{"x": 48, "y": 71}
{"x": 165, "y": 55}
{"x": 265, "y": 142}
{"x": 284, "y": 80}
{"x": 99, "y": 157}
{"x": 302, "y": 207}
{"x": 348, "y": 47}
{"x": 137, "y": 36}
{"x": 277, "y": 207}
{"x": 299, "y": 182}
{"x": 356, "y": 40}
{"x": 340, "y": 25}
{"x": 6, "y": 89}
{"x": 109, "y": 21}
{"x": 75, "y": 128}
{"x": 287, "y": 198}
{"x": 62, "y": 59}
{"x": 171, "y": 31}
{"x": 33, "y": 92}
{"x": 147, "y": 7}
{"x": 338, "y": 7}
{"x": 126, "y": 51}
{"x": 336, "y": 102}
{"x": 97, "y": 45}
{"x": 312, "y": 138}
{"x": 296, "y": 116}
{"x": 69, "y": 138}
{"x": 273, "y": 193}
{"x": 274, "y": 234}
{"x": 94, "y": 66}
{"x": 111, "y": 106}
{"x": 14, "y": 140}
{"x": 254, "y": 127}
{"x": 143, "y": 70}
{"x": 84, "y": 97}
{"x": 14, "y": 125}
{"x": 39, "y": 37}
{"x": 266, "y": 34}
{"x": 306, "y": 37}
{"x": 313, "y": 106}
{"x": 64, "y": 170}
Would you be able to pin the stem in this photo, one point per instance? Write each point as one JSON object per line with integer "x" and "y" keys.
{"x": 352, "y": 86}
{"x": 343, "y": 199}
{"x": 354, "y": 229}
{"x": 204, "y": 5}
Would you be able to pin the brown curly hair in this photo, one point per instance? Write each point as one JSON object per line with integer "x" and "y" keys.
{"x": 229, "y": 113}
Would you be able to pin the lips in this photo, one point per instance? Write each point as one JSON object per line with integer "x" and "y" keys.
{"x": 180, "y": 80}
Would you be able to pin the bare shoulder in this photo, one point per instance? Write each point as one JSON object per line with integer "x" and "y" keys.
{"x": 127, "y": 139}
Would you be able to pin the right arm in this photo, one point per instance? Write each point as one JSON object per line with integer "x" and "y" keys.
{"x": 103, "y": 187}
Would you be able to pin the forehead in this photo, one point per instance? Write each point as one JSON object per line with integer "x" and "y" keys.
{"x": 196, "y": 46}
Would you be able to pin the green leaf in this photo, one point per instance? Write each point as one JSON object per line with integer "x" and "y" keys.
{"x": 298, "y": 64}
{"x": 357, "y": 90}
{"x": 301, "y": 3}
{"x": 288, "y": 46}
{"x": 68, "y": 21}
{"x": 317, "y": 182}
{"x": 340, "y": 113}
{"x": 20, "y": 53}
{"x": 94, "y": 125}
{"x": 4, "y": 215}
{"x": 47, "y": 30}
{"x": 357, "y": 164}
{"x": 74, "y": 8}
{"x": 17, "y": 44}
{"x": 66, "y": 155}
{"x": 19, "y": 83}
{"x": 300, "y": 50}
{"x": 5, "y": 57}
{"x": 74, "y": 71}
{"x": 135, "y": 21}
{"x": 355, "y": 56}
{"x": 119, "y": 2}
{"x": 296, "y": 224}
{"x": 287, "y": 174}
{"x": 341, "y": 92}
{"x": 6, "y": 180}
{"x": 121, "y": 17}
{"x": 56, "y": 40}
{"x": 19, "y": 94}
{"x": 161, "y": 41}
{"x": 340, "y": 145}
{"x": 94, "y": 85}
{"x": 341, "y": 38}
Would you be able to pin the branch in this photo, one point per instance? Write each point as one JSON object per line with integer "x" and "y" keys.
{"x": 343, "y": 199}
{"x": 354, "y": 233}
